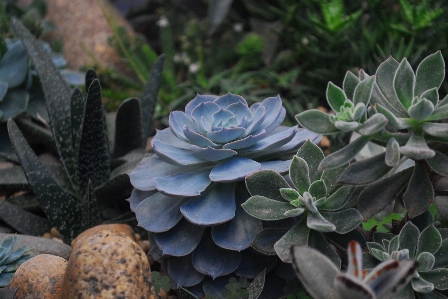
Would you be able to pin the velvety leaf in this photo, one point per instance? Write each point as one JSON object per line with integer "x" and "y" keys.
{"x": 436, "y": 277}
{"x": 404, "y": 82}
{"x": 423, "y": 220}
{"x": 346, "y": 126}
{"x": 384, "y": 78}
{"x": 421, "y": 110}
{"x": 344, "y": 155}
{"x": 363, "y": 91}
{"x": 256, "y": 286}
{"x": 373, "y": 125}
{"x": 417, "y": 148}
{"x": 62, "y": 210}
{"x": 441, "y": 256}
{"x": 392, "y": 157}
{"x": 393, "y": 121}
{"x": 14, "y": 103}
{"x": 330, "y": 177}
{"x": 436, "y": 129}
{"x": 57, "y": 94}
{"x": 431, "y": 95}
{"x": 376, "y": 250}
{"x": 148, "y": 99}
{"x": 318, "y": 189}
{"x": 430, "y": 241}
{"x": 93, "y": 151}
{"x": 315, "y": 221}
{"x": 299, "y": 174}
{"x": 439, "y": 163}
{"x": 265, "y": 240}
{"x": 212, "y": 260}
{"x": 252, "y": 263}
{"x": 77, "y": 104}
{"x": 425, "y": 261}
{"x": 335, "y": 96}
{"x": 181, "y": 240}
{"x": 266, "y": 183}
{"x": 238, "y": 233}
{"x": 312, "y": 267}
{"x": 442, "y": 206}
{"x": 420, "y": 194}
{"x": 430, "y": 73}
{"x": 338, "y": 199}
{"x": 23, "y": 221}
{"x": 191, "y": 183}
{"x": 149, "y": 216}
{"x": 349, "y": 84}
{"x": 128, "y": 128}
{"x": 181, "y": 270}
{"x": 438, "y": 114}
{"x": 408, "y": 238}
{"x": 421, "y": 286}
{"x": 378, "y": 195}
{"x": 297, "y": 235}
{"x": 316, "y": 121}
{"x": 317, "y": 241}
{"x": 266, "y": 209}
{"x": 365, "y": 172}
{"x": 345, "y": 221}
{"x": 216, "y": 205}
{"x": 313, "y": 155}
{"x": 233, "y": 169}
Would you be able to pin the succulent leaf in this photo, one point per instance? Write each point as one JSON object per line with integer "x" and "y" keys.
{"x": 365, "y": 172}
{"x": 299, "y": 173}
{"x": 265, "y": 240}
{"x": 421, "y": 286}
{"x": 392, "y": 157}
{"x": 408, "y": 238}
{"x": 441, "y": 256}
{"x": 384, "y": 78}
{"x": 430, "y": 241}
{"x": 313, "y": 155}
{"x": 395, "y": 122}
{"x": 430, "y": 73}
{"x": 344, "y": 155}
{"x": 436, "y": 129}
{"x": 338, "y": 199}
{"x": 317, "y": 121}
{"x": 349, "y": 84}
{"x": 344, "y": 221}
{"x": 437, "y": 277}
{"x": 425, "y": 261}
{"x": 404, "y": 83}
{"x": 266, "y": 183}
{"x": 363, "y": 91}
{"x": 416, "y": 148}
{"x": 181, "y": 270}
{"x": 128, "y": 128}
{"x": 421, "y": 110}
{"x": 373, "y": 125}
{"x": 419, "y": 194}
{"x": 297, "y": 235}
{"x": 316, "y": 221}
{"x": 266, "y": 209}
{"x": 432, "y": 95}
{"x": 378, "y": 195}
{"x": 318, "y": 189}
{"x": 335, "y": 97}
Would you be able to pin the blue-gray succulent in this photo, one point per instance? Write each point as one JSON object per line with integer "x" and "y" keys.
{"x": 188, "y": 194}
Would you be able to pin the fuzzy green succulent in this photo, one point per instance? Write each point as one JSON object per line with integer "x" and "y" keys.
{"x": 315, "y": 204}
{"x": 11, "y": 258}
{"x": 427, "y": 248}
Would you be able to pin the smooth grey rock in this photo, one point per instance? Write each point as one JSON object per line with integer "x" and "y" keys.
{"x": 42, "y": 245}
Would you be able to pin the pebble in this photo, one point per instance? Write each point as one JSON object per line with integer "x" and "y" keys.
{"x": 40, "y": 277}
{"x": 42, "y": 245}
{"x": 108, "y": 265}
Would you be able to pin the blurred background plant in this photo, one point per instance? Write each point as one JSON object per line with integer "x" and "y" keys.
{"x": 261, "y": 48}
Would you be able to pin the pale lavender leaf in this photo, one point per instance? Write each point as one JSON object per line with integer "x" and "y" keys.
{"x": 233, "y": 169}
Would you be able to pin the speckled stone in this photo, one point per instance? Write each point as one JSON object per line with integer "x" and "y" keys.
{"x": 122, "y": 228}
{"x": 107, "y": 265}
{"x": 40, "y": 277}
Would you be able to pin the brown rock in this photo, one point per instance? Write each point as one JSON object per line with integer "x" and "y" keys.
{"x": 84, "y": 31}
{"x": 107, "y": 265}
{"x": 40, "y": 277}
{"x": 122, "y": 228}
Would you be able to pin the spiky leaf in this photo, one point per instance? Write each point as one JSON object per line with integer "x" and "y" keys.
{"x": 128, "y": 128}
{"x": 62, "y": 210}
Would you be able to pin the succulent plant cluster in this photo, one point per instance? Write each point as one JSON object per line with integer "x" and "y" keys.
{"x": 11, "y": 258}
{"x": 315, "y": 205}
{"x": 400, "y": 110}
{"x": 187, "y": 194}
{"x": 91, "y": 184}
{"x": 427, "y": 248}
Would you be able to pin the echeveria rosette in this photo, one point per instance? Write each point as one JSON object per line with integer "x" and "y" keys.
{"x": 315, "y": 204}
{"x": 427, "y": 248}
{"x": 191, "y": 183}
